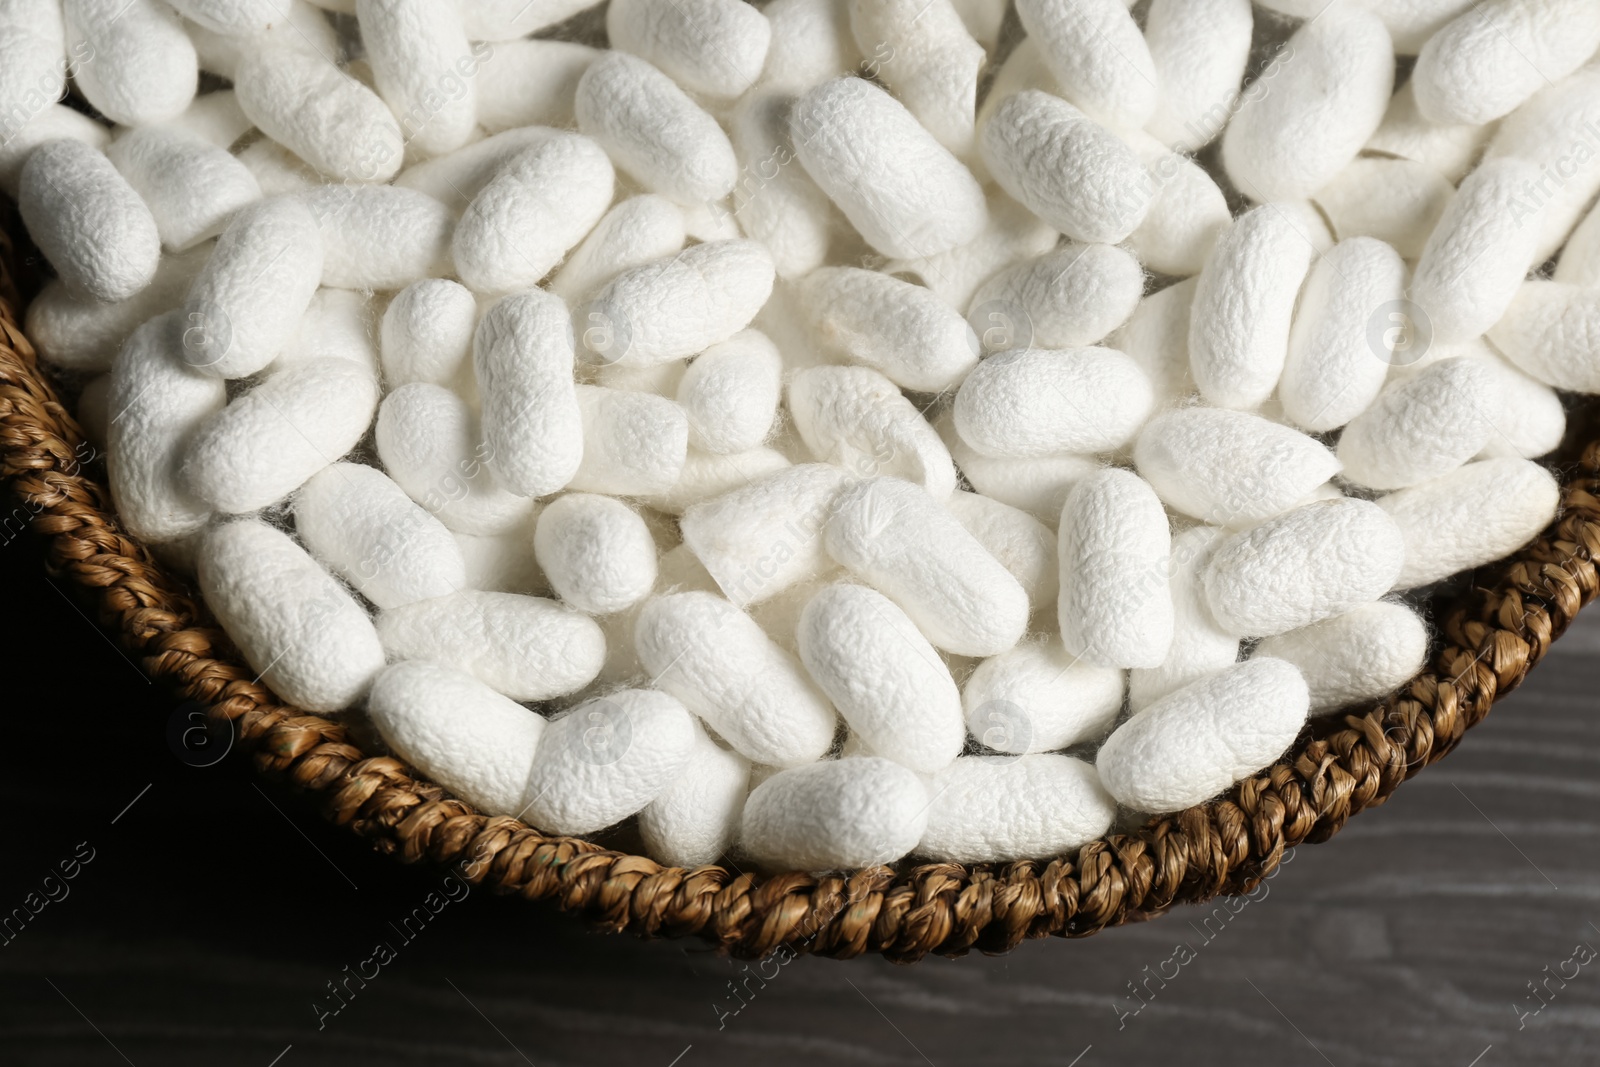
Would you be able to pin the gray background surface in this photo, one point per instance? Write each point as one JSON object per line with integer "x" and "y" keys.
{"x": 213, "y": 914}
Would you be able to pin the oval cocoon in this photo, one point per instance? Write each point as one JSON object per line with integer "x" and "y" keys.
{"x": 901, "y": 330}
{"x": 1359, "y": 656}
{"x": 1097, "y": 54}
{"x": 936, "y": 67}
{"x": 693, "y": 820}
{"x": 1479, "y": 254}
{"x": 459, "y": 732}
{"x": 897, "y": 538}
{"x": 1472, "y": 516}
{"x": 1551, "y": 331}
{"x": 1188, "y": 747}
{"x": 426, "y": 335}
{"x": 191, "y": 186}
{"x": 250, "y": 295}
{"x": 675, "y": 307}
{"x": 1038, "y": 697}
{"x": 634, "y": 443}
{"x": 155, "y": 405}
{"x": 811, "y": 42}
{"x": 654, "y": 131}
{"x": 431, "y": 446}
{"x": 765, "y": 533}
{"x": 536, "y": 207}
{"x": 835, "y": 815}
{"x": 364, "y": 528}
{"x": 1115, "y": 608}
{"x": 607, "y": 758}
{"x": 1421, "y": 428}
{"x": 380, "y": 236}
{"x": 882, "y": 675}
{"x": 1317, "y": 561}
{"x": 1320, "y": 106}
{"x": 730, "y": 393}
{"x": 1067, "y": 298}
{"x": 1199, "y": 50}
{"x": 997, "y": 809}
{"x": 416, "y": 49}
{"x": 522, "y": 353}
{"x": 714, "y": 658}
{"x": 712, "y": 47}
{"x": 1230, "y": 468}
{"x": 311, "y": 641}
{"x": 1071, "y": 172}
{"x": 1244, "y": 307}
{"x": 88, "y": 221}
{"x": 855, "y": 418}
{"x": 1484, "y": 63}
{"x": 528, "y": 648}
{"x": 596, "y": 552}
{"x": 318, "y": 112}
{"x": 134, "y": 62}
{"x": 1035, "y": 402}
{"x": 265, "y": 444}
{"x": 1334, "y": 370}
{"x": 1199, "y": 646}
{"x": 900, "y": 188}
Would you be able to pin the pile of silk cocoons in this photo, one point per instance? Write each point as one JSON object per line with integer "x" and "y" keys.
{"x": 821, "y": 433}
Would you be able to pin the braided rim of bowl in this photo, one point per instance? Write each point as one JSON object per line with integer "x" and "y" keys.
{"x": 1493, "y": 633}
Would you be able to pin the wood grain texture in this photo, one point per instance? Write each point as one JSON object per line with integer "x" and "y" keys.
{"x": 212, "y": 916}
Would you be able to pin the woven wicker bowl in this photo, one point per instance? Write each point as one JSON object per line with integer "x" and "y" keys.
{"x": 1493, "y": 632}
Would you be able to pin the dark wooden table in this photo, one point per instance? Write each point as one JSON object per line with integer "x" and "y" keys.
{"x": 212, "y": 915}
